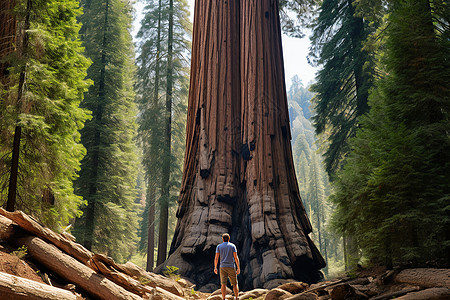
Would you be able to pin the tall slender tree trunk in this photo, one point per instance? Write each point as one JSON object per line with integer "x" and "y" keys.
{"x": 151, "y": 202}
{"x": 325, "y": 256}
{"x": 12, "y": 191}
{"x": 153, "y": 149}
{"x": 92, "y": 202}
{"x": 360, "y": 78}
{"x": 318, "y": 212}
{"x": 165, "y": 195}
{"x": 14, "y": 172}
{"x": 344, "y": 246}
{"x": 238, "y": 173}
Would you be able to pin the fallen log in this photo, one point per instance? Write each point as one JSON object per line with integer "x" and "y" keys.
{"x": 162, "y": 294}
{"x": 151, "y": 279}
{"x": 29, "y": 224}
{"x": 18, "y": 288}
{"x": 131, "y": 279}
{"x": 425, "y": 277}
{"x": 321, "y": 286}
{"x": 125, "y": 281}
{"x": 72, "y": 270}
{"x": 395, "y": 294}
{"x": 428, "y": 294}
{"x": 6, "y": 228}
{"x": 347, "y": 291}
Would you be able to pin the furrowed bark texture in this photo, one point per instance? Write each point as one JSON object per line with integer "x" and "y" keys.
{"x": 238, "y": 173}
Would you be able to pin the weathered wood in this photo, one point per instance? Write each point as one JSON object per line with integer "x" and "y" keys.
{"x": 29, "y": 224}
{"x": 428, "y": 294}
{"x": 151, "y": 279}
{"x": 425, "y": 277}
{"x": 238, "y": 172}
{"x": 132, "y": 277}
{"x": 347, "y": 291}
{"x": 6, "y": 228}
{"x": 319, "y": 287}
{"x": 72, "y": 270}
{"x": 306, "y": 296}
{"x": 395, "y": 294}
{"x": 121, "y": 279}
{"x": 18, "y": 288}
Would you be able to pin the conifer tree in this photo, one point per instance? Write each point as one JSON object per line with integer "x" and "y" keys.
{"x": 344, "y": 79}
{"x": 162, "y": 123}
{"x": 150, "y": 123}
{"x": 108, "y": 172}
{"x": 311, "y": 176}
{"x": 394, "y": 191}
{"x": 40, "y": 148}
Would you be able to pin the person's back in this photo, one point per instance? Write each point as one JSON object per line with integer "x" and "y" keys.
{"x": 228, "y": 256}
{"x": 226, "y": 250}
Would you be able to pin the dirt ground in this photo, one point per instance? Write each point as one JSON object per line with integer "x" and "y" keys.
{"x": 11, "y": 263}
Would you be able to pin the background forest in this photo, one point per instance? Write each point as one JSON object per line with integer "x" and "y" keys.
{"x": 92, "y": 124}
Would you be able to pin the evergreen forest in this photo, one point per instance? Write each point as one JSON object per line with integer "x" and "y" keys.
{"x": 93, "y": 124}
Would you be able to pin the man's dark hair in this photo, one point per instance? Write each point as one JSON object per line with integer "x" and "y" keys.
{"x": 225, "y": 237}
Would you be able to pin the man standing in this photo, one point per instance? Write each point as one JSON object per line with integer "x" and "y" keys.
{"x": 228, "y": 256}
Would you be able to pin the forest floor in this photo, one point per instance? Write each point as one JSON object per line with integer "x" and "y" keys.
{"x": 11, "y": 263}
{"x": 366, "y": 283}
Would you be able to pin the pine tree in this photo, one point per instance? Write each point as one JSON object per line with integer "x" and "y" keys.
{"x": 394, "y": 191}
{"x": 344, "y": 79}
{"x": 311, "y": 176}
{"x": 40, "y": 114}
{"x": 108, "y": 172}
{"x": 150, "y": 123}
{"x": 163, "y": 75}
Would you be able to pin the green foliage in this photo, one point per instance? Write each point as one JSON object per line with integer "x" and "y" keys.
{"x": 393, "y": 194}
{"x": 312, "y": 180}
{"x": 344, "y": 78}
{"x": 172, "y": 272}
{"x": 108, "y": 173}
{"x": 48, "y": 111}
{"x": 144, "y": 280}
{"x": 296, "y": 16}
{"x": 150, "y": 94}
{"x": 21, "y": 252}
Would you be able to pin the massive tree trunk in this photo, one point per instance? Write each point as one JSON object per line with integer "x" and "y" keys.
{"x": 238, "y": 174}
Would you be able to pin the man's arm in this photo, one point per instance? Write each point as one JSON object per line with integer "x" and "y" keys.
{"x": 216, "y": 261}
{"x": 236, "y": 259}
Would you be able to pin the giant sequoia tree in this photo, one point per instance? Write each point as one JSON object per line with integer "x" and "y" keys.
{"x": 238, "y": 174}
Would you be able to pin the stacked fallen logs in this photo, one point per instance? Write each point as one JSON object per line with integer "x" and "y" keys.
{"x": 97, "y": 275}
{"x": 408, "y": 284}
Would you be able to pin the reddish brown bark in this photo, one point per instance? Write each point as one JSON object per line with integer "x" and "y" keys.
{"x": 7, "y": 36}
{"x": 238, "y": 174}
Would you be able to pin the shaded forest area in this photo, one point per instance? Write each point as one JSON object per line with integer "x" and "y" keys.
{"x": 92, "y": 125}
